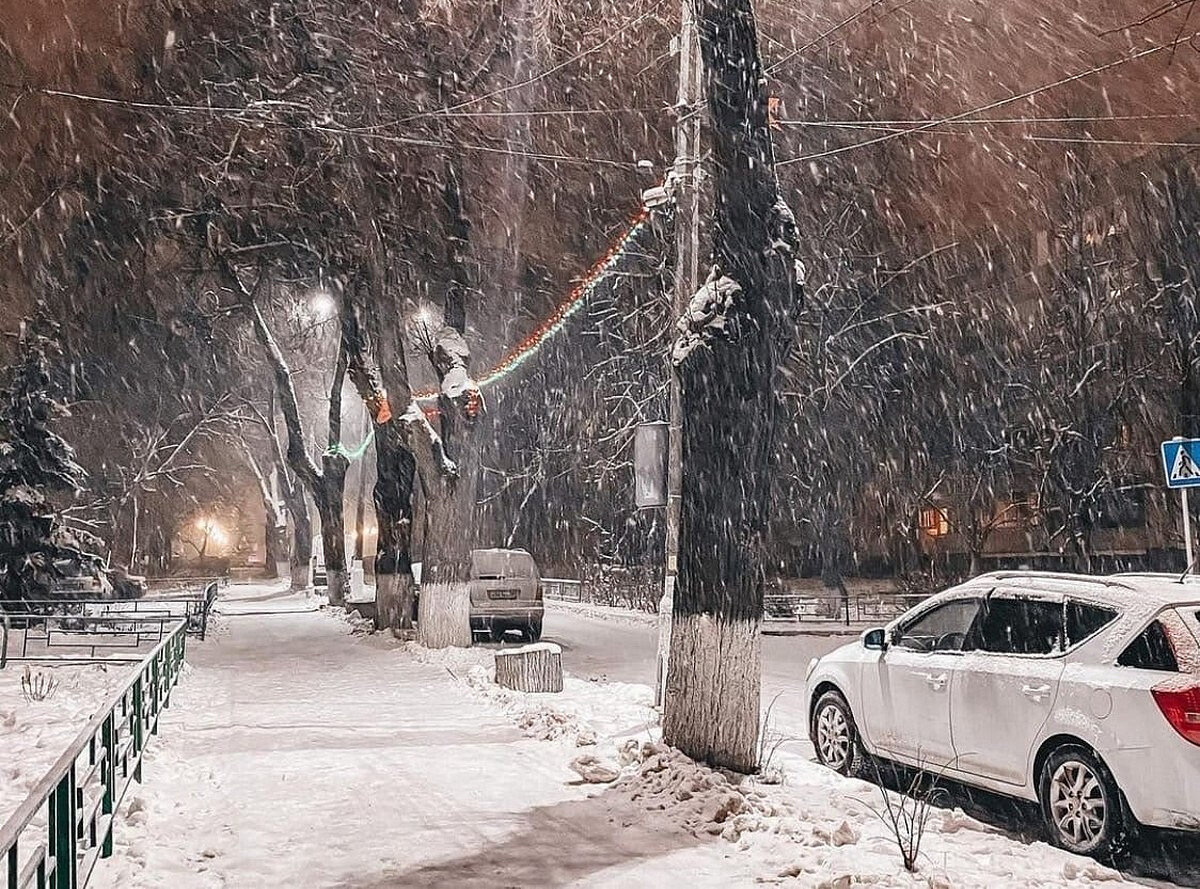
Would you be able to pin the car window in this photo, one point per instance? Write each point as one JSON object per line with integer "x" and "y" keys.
{"x": 943, "y": 628}
{"x": 1151, "y": 650}
{"x": 1018, "y": 626}
{"x": 1084, "y": 619}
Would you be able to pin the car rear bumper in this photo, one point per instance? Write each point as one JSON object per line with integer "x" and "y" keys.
{"x": 487, "y": 616}
{"x": 1162, "y": 786}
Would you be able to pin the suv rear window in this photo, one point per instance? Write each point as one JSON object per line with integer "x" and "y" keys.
{"x": 1084, "y": 619}
{"x": 1151, "y": 650}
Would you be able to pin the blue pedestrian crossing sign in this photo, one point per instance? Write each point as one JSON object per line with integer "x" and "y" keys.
{"x": 1181, "y": 462}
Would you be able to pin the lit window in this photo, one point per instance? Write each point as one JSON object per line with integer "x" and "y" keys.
{"x": 935, "y": 521}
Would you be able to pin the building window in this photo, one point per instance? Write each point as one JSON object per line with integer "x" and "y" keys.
{"x": 935, "y": 521}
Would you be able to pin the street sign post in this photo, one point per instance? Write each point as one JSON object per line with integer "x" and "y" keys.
{"x": 1181, "y": 463}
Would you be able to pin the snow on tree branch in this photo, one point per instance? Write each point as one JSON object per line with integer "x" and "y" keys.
{"x": 706, "y": 316}
{"x": 418, "y": 429}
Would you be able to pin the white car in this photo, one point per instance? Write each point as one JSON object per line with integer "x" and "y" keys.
{"x": 1079, "y": 693}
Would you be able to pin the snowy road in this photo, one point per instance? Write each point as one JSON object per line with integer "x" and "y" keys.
{"x": 623, "y": 649}
{"x": 297, "y": 754}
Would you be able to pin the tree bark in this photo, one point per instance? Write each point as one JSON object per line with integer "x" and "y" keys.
{"x": 533, "y": 668}
{"x": 727, "y": 357}
{"x": 368, "y": 353}
{"x": 445, "y": 618}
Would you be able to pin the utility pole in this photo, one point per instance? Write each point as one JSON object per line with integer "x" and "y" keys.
{"x": 687, "y": 282}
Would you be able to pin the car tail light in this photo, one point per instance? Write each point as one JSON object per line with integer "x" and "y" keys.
{"x": 1181, "y": 706}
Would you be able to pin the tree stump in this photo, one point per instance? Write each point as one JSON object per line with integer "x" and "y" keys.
{"x": 533, "y": 668}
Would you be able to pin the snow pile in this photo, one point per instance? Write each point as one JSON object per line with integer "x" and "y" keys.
{"x": 582, "y": 713}
{"x": 821, "y": 830}
{"x": 703, "y": 800}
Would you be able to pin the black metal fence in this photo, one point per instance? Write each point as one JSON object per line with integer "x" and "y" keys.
{"x": 91, "y": 630}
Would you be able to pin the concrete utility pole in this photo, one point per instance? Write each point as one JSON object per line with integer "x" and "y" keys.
{"x": 687, "y": 282}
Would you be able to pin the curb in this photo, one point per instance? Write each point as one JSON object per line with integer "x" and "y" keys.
{"x": 848, "y": 632}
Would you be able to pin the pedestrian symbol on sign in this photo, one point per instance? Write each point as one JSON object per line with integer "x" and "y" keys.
{"x": 1185, "y": 468}
{"x": 1181, "y": 462}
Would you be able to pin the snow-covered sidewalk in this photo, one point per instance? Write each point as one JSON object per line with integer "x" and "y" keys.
{"x": 297, "y": 753}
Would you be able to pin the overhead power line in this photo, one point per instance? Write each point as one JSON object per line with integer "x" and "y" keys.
{"x": 990, "y": 106}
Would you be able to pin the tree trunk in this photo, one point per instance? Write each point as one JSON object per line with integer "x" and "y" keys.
{"x": 450, "y": 515}
{"x": 302, "y": 540}
{"x": 394, "y": 479}
{"x": 275, "y": 548}
{"x": 533, "y": 668}
{"x": 330, "y": 499}
{"x": 726, "y": 358}
{"x": 450, "y": 508}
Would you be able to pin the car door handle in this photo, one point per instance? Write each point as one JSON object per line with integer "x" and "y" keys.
{"x": 1035, "y": 692}
{"x": 934, "y": 682}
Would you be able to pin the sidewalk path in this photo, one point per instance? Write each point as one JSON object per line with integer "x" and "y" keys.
{"x": 295, "y": 754}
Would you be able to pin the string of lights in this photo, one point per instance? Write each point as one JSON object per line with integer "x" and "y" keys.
{"x": 574, "y": 300}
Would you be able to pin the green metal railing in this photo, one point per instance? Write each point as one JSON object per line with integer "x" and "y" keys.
{"x": 83, "y": 790}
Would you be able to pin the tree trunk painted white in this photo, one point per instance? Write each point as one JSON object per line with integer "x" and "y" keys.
{"x": 301, "y": 576}
{"x": 444, "y": 619}
{"x": 713, "y": 690}
{"x": 666, "y": 605}
{"x": 337, "y": 585}
{"x": 393, "y": 601}
{"x": 532, "y": 668}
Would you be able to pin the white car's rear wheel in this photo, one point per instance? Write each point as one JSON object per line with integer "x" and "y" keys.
{"x": 1082, "y": 805}
{"x": 834, "y": 734}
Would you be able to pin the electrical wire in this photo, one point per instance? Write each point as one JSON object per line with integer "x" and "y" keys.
{"x": 999, "y": 103}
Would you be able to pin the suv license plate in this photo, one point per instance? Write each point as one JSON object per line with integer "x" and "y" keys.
{"x": 503, "y": 594}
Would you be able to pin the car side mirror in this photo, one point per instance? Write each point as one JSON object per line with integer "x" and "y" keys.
{"x": 876, "y": 639}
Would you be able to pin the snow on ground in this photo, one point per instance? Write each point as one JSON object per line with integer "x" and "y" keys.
{"x": 816, "y": 829}
{"x": 33, "y": 734}
{"x": 303, "y": 752}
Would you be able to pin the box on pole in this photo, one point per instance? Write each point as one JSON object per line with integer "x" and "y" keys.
{"x": 650, "y": 465}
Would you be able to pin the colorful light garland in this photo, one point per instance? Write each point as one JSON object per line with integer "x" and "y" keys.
{"x": 529, "y": 346}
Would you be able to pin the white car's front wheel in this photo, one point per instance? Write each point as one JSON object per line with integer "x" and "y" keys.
{"x": 835, "y": 736}
{"x": 1082, "y": 805}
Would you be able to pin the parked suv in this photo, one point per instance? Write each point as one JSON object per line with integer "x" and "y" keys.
{"x": 506, "y": 594}
{"x": 1079, "y": 693}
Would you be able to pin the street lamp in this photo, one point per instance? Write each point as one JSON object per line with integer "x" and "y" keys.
{"x": 322, "y": 304}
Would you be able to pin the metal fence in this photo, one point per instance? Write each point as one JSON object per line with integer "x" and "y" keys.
{"x": 562, "y": 589}
{"x": 854, "y": 608}
{"x": 108, "y": 630}
{"x": 81, "y": 794}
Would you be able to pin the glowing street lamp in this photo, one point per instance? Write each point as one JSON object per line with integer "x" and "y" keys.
{"x": 322, "y": 305}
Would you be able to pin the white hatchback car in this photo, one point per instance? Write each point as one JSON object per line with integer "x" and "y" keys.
{"x": 1079, "y": 693}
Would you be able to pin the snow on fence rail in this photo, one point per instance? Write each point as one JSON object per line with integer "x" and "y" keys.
{"x": 66, "y": 631}
{"x": 75, "y": 803}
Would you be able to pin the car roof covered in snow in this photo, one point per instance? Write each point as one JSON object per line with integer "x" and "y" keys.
{"x": 1119, "y": 590}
